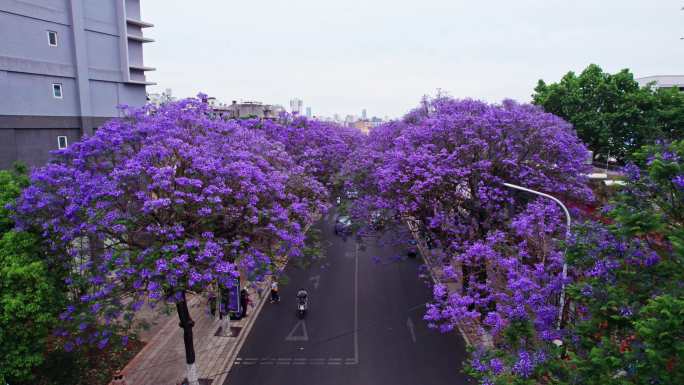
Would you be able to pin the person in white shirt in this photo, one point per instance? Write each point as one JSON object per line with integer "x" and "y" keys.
{"x": 275, "y": 297}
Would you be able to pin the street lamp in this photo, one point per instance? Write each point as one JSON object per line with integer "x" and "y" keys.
{"x": 564, "y": 274}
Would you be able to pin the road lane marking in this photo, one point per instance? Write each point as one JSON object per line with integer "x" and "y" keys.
{"x": 286, "y": 361}
{"x": 410, "y": 325}
{"x": 304, "y": 334}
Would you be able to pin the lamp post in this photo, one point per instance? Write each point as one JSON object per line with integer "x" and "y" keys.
{"x": 564, "y": 274}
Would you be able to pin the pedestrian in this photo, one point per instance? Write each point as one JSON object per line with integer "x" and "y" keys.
{"x": 244, "y": 301}
{"x": 275, "y": 297}
{"x": 212, "y": 303}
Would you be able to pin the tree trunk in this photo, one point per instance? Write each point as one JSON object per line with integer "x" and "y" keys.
{"x": 186, "y": 323}
{"x": 225, "y": 325}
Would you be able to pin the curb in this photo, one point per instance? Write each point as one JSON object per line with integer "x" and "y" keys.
{"x": 436, "y": 281}
{"x": 235, "y": 349}
{"x": 434, "y": 278}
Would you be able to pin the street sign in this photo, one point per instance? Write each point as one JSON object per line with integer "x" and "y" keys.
{"x": 230, "y": 297}
{"x": 234, "y": 297}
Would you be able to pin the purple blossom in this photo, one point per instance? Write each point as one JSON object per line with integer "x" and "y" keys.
{"x": 679, "y": 181}
{"x": 496, "y": 365}
{"x": 632, "y": 172}
{"x": 191, "y": 191}
{"x": 587, "y": 291}
{"x": 444, "y": 165}
{"x": 524, "y": 366}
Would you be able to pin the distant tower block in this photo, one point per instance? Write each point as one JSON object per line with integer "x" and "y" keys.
{"x": 296, "y": 105}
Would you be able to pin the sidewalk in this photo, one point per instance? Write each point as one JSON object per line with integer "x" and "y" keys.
{"x": 162, "y": 360}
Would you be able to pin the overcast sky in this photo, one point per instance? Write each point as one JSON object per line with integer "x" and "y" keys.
{"x": 383, "y": 55}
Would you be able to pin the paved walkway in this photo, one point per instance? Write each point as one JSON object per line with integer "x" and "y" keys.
{"x": 162, "y": 360}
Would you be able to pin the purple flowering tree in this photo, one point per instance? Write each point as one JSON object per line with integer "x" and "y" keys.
{"x": 625, "y": 324}
{"x": 441, "y": 169}
{"x": 321, "y": 148}
{"x": 165, "y": 202}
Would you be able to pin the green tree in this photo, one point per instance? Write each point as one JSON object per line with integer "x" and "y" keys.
{"x": 611, "y": 112}
{"x": 631, "y": 328}
{"x": 28, "y": 296}
{"x": 11, "y": 183}
{"x": 27, "y": 306}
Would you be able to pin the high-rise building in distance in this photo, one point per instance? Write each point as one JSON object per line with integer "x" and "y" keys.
{"x": 296, "y": 105}
{"x": 308, "y": 112}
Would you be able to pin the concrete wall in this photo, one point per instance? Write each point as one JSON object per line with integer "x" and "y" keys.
{"x": 101, "y": 16}
{"x": 56, "y": 11}
{"x": 30, "y": 138}
{"x": 32, "y": 146}
{"x": 133, "y": 9}
{"x": 26, "y": 38}
{"x": 31, "y": 94}
{"x": 91, "y": 61}
{"x": 25, "y": 52}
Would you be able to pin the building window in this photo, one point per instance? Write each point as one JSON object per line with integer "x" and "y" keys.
{"x": 52, "y": 38}
{"x": 57, "y": 90}
{"x": 62, "y": 142}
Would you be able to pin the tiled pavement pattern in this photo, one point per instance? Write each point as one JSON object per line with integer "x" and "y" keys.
{"x": 162, "y": 360}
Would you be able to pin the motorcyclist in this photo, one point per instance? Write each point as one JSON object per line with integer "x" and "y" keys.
{"x": 302, "y": 296}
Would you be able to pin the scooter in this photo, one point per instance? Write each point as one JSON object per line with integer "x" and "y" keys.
{"x": 302, "y": 307}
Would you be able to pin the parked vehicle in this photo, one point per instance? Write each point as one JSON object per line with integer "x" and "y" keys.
{"x": 343, "y": 225}
{"x": 412, "y": 248}
{"x": 352, "y": 194}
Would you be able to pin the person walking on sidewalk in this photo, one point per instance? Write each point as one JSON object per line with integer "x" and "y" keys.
{"x": 244, "y": 301}
{"x": 275, "y": 297}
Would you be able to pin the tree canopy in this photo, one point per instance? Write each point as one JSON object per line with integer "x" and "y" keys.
{"x": 612, "y": 114}
{"x": 29, "y": 298}
{"x": 626, "y": 320}
{"x": 442, "y": 168}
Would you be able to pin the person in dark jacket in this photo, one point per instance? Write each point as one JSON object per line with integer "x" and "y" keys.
{"x": 244, "y": 301}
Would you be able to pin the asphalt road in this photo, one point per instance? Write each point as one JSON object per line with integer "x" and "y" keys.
{"x": 365, "y": 324}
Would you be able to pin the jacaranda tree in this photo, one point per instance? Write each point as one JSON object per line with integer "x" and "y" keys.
{"x": 626, "y": 318}
{"x": 321, "y": 148}
{"x": 442, "y": 169}
{"x": 165, "y": 201}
